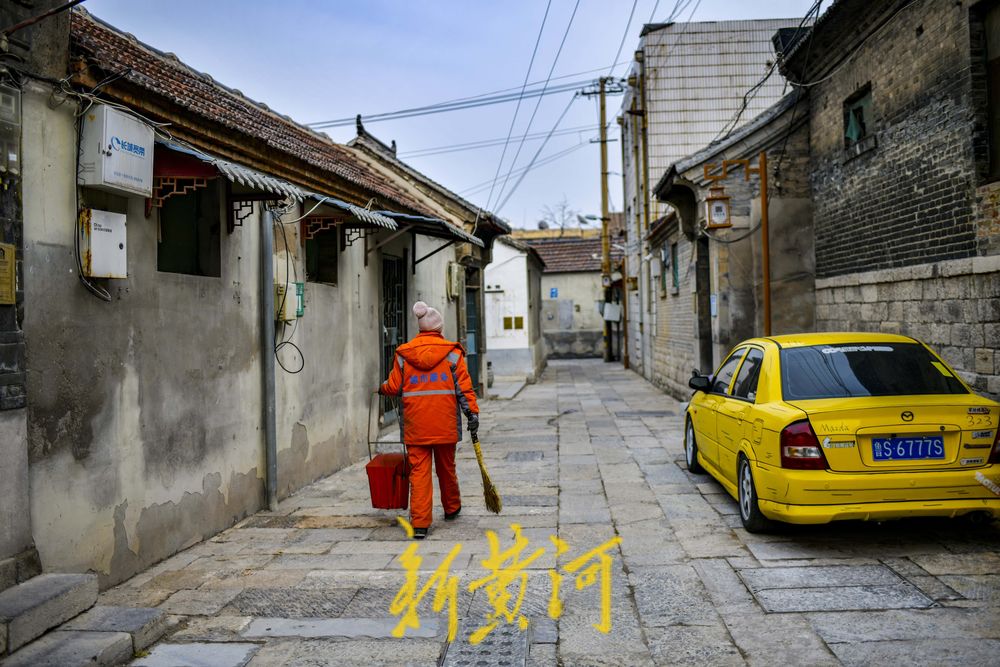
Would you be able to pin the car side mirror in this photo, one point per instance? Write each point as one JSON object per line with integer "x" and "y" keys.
{"x": 700, "y": 382}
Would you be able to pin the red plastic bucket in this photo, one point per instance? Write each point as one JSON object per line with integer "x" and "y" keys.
{"x": 388, "y": 482}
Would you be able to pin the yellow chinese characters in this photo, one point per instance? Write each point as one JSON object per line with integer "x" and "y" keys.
{"x": 408, "y": 598}
{"x": 506, "y": 568}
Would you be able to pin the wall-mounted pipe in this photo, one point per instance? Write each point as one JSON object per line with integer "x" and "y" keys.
{"x": 267, "y": 354}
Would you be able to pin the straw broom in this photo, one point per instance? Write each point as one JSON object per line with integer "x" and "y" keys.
{"x": 490, "y": 493}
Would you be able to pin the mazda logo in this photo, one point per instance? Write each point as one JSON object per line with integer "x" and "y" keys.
{"x": 907, "y": 416}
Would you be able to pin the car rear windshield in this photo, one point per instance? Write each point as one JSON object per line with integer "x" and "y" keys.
{"x": 877, "y": 369}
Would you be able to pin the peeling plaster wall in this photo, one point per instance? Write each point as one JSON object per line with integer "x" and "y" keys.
{"x": 145, "y": 428}
{"x": 144, "y": 413}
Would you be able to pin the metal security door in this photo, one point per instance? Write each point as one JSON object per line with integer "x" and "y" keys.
{"x": 393, "y": 321}
{"x": 472, "y": 335}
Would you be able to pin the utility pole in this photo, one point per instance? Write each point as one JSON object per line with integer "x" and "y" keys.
{"x": 602, "y": 90}
{"x": 605, "y": 219}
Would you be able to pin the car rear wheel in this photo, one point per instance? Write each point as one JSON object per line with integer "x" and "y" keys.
{"x": 750, "y": 514}
{"x": 691, "y": 450}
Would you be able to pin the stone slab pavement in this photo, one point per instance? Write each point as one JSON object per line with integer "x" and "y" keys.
{"x": 589, "y": 454}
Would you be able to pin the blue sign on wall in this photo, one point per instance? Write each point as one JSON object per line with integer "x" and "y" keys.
{"x": 553, "y": 292}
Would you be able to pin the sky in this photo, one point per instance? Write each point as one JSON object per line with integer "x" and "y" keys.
{"x": 316, "y": 61}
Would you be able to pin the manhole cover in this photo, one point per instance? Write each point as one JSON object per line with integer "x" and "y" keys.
{"x": 506, "y": 646}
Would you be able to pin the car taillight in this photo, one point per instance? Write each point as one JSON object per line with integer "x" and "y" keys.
{"x": 800, "y": 449}
{"x": 995, "y": 452}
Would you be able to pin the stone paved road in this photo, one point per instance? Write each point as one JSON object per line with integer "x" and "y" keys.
{"x": 589, "y": 453}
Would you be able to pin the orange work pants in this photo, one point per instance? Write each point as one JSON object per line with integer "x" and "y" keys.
{"x": 422, "y": 487}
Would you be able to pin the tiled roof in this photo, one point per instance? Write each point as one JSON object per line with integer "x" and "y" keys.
{"x": 572, "y": 254}
{"x": 365, "y": 139}
{"x": 164, "y": 74}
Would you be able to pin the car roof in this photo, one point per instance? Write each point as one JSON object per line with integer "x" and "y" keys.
{"x": 831, "y": 338}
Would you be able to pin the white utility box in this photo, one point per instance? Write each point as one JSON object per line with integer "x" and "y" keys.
{"x": 102, "y": 244}
{"x": 116, "y": 152}
{"x": 286, "y": 302}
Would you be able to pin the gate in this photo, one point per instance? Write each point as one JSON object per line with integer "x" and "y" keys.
{"x": 393, "y": 321}
{"x": 472, "y": 335}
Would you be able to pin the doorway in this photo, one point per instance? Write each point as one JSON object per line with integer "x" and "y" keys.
{"x": 704, "y": 286}
{"x": 472, "y": 335}
{"x": 393, "y": 322}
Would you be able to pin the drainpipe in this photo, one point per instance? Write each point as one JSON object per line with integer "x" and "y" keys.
{"x": 267, "y": 354}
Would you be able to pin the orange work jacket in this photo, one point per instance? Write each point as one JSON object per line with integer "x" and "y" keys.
{"x": 433, "y": 380}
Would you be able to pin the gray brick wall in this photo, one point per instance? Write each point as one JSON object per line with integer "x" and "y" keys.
{"x": 912, "y": 198}
{"x": 675, "y": 350}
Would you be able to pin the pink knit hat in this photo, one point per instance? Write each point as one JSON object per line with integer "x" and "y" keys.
{"x": 428, "y": 319}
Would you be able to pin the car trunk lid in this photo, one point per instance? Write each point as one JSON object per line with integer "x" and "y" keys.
{"x": 913, "y": 433}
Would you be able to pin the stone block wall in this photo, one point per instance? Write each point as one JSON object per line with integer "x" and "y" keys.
{"x": 952, "y": 306}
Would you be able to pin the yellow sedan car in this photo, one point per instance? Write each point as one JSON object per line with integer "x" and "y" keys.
{"x": 812, "y": 428}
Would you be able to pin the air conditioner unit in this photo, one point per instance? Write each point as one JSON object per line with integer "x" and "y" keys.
{"x": 116, "y": 152}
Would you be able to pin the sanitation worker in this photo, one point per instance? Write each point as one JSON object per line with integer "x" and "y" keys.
{"x": 430, "y": 375}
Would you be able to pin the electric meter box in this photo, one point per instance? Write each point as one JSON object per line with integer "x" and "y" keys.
{"x": 286, "y": 302}
{"x": 116, "y": 152}
{"x": 102, "y": 244}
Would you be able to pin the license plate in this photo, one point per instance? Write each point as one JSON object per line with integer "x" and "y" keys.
{"x": 908, "y": 448}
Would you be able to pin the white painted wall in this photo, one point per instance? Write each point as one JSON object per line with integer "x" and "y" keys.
{"x": 506, "y": 296}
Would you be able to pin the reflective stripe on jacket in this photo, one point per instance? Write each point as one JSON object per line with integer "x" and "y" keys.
{"x": 431, "y": 376}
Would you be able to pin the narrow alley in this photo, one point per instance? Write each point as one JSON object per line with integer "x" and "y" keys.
{"x": 589, "y": 453}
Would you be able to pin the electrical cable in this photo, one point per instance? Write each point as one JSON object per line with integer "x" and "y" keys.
{"x": 287, "y": 342}
{"x": 849, "y": 56}
{"x": 533, "y": 159}
{"x": 621, "y": 45}
{"x": 486, "y": 143}
{"x": 35, "y": 19}
{"x": 449, "y": 106}
{"x": 481, "y": 187}
{"x": 520, "y": 98}
{"x": 731, "y": 125}
{"x": 538, "y": 103}
{"x": 339, "y": 122}
{"x": 795, "y": 108}
{"x": 99, "y": 291}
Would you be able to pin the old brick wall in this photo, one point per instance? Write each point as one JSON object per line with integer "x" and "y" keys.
{"x": 910, "y": 198}
{"x": 908, "y": 232}
{"x": 674, "y": 349}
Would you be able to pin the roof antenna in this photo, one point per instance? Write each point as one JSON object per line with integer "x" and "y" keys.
{"x": 393, "y": 146}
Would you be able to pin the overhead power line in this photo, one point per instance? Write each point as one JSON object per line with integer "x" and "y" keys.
{"x": 520, "y": 97}
{"x": 538, "y": 103}
{"x": 621, "y": 45}
{"x": 487, "y": 143}
{"x": 450, "y": 106}
{"x": 481, "y": 187}
{"x": 533, "y": 159}
{"x": 373, "y": 118}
